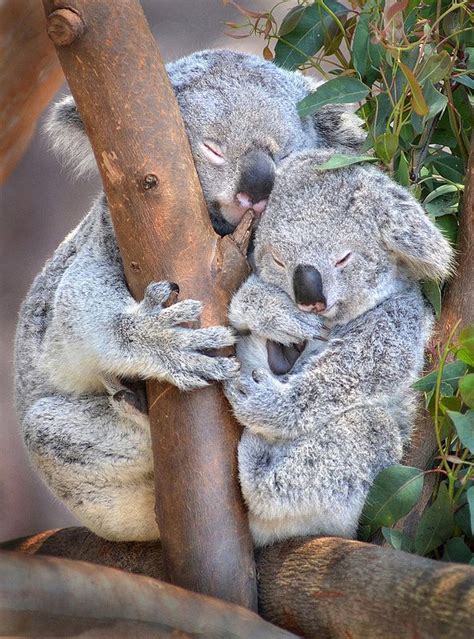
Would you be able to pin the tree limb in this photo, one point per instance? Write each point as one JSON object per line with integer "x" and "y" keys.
{"x": 163, "y": 230}
{"x": 48, "y": 597}
{"x": 30, "y": 74}
{"x": 326, "y": 588}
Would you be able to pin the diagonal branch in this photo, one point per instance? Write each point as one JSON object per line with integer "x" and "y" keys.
{"x": 129, "y": 110}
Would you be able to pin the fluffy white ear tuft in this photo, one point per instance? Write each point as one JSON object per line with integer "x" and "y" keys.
{"x": 68, "y": 139}
{"x": 414, "y": 240}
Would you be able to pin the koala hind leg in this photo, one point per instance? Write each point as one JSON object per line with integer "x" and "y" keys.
{"x": 98, "y": 461}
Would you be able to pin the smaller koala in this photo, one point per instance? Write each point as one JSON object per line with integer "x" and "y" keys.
{"x": 334, "y": 326}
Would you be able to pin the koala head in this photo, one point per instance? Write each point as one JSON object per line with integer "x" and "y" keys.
{"x": 339, "y": 242}
{"x": 241, "y": 117}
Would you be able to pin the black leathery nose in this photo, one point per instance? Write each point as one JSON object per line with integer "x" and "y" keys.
{"x": 257, "y": 175}
{"x": 308, "y": 285}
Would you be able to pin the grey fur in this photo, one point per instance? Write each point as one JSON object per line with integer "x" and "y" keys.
{"x": 316, "y": 437}
{"x": 80, "y": 332}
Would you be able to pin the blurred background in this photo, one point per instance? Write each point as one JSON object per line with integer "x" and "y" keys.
{"x": 39, "y": 205}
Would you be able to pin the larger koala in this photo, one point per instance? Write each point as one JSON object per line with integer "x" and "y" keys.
{"x": 339, "y": 255}
{"x": 80, "y": 332}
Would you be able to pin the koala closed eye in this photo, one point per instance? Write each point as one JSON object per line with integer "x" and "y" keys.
{"x": 213, "y": 152}
{"x": 344, "y": 260}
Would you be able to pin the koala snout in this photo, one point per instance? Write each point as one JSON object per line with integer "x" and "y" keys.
{"x": 308, "y": 288}
{"x": 257, "y": 174}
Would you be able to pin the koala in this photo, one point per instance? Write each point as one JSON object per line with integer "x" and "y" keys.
{"x": 83, "y": 342}
{"x": 333, "y": 327}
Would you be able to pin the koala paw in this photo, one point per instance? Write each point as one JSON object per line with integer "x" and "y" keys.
{"x": 256, "y": 399}
{"x": 269, "y": 312}
{"x": 159, "y": 333}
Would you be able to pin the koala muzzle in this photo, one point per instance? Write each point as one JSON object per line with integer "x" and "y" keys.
{"x": 257, "y": 174}
{"x": 308, "y": 288}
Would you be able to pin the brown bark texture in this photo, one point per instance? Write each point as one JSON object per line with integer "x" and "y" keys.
{"x": 326, "y": 588}
{"x": 30, "y": 74}
{"x": 47, "y": 597}
{"x": 458, "y": 306}
{"x": 163, "y": 230}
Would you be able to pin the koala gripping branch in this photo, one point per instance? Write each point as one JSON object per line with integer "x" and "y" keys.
{"x": 126, "y": 102}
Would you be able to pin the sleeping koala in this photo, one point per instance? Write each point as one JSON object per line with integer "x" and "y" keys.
{"x": 339, "y": 255}
{"x": 81, "y": 335}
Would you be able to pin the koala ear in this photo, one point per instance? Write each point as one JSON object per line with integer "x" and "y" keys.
{"x": 68, "y": 138}
{"x": 336, "y": 125}
{"x": 410, "y": 235}
{"x": 339, "y": 128}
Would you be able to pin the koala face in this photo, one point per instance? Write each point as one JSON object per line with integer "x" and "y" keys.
{"x": 339, "y": 242}
{"x": 240, "y": 113}
{"x": 241, "y": 118}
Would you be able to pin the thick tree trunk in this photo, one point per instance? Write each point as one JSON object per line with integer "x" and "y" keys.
{"x": 325, "y": 588}
{"x": 128, "y": 107}
{"x": 47, "y": 597}
{"x": 30, "y": 74}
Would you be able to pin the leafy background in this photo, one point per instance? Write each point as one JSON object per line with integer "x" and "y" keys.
{"x": 409, "y": 66}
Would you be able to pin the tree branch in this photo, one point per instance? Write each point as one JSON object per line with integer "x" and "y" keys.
{"x": 163, "y": 230}
{"x": 48, "y": 597}
{"x": 326, "y": 588}
{"x": 30, "y": 74}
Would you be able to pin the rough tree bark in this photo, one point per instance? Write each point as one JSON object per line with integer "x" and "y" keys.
{"x": 325, "y": 588}
{"x": 47, "y": 597}
{"x": 30, "y": 74}
{"x": 163, "y": 230}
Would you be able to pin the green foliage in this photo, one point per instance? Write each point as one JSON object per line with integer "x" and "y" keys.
{"x": 446, "y": 527}
{"x": 393, "y": 494}
{"x": 410, "y": 68}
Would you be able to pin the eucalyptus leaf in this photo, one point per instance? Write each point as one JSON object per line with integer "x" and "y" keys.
{"x": 466, "y": 80}
{"x": 439, "y": 191}
{"x": 466, "y": 388}
{"x": 290, "y": 21}
{"x": 386, "y": 146}
{"x": 418, "y": 101}
{"x": 451, "y": 374}
{"x": 398, "y": 539}
{"x": 448, "y": 224}
{"x": 462, "y": 518}
{"x": 382, "y": 113}
{"x": 304, "y": 33}
{"x": 366, "y": 55}
{"x": 464, "y": 424}
{"x": 456, "y": 551}
{"x": 466, "y": 342}
{"x": 436, "y": 68}
{"x": 447, "y": 165}
{"x": 470, "y": 501}
{"x": 436, "y": 524}
{"x": 435, "y": 100}
{"x": 338, "y": 160}
{"x": 393, "y": 494}
{"x": 441, "y": 206}
{"x": 402, "y": 172}
{"x": 343, "y": 90}
{"x": 466, "y": 339}
{"x": 432, "y": 292}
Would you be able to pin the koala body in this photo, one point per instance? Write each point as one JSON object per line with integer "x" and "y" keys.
{"x": 81, "y": 335}
{"x": 339, "y": 255}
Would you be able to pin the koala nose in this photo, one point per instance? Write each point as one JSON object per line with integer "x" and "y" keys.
{"x": 257, "y": 174}
{"x": 308, "y": 288}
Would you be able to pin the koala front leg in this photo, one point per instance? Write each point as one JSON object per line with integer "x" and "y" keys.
{"x": 266, "y": 405}
{"x": 98, "y": 329}
{"x": 97, "y": 462}
{"x": 267, "y": 311}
